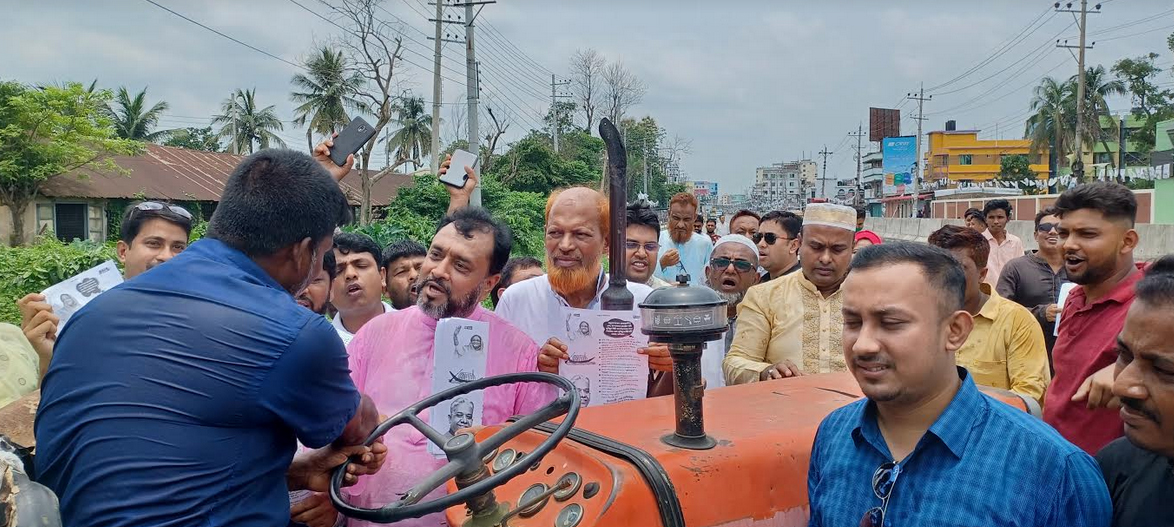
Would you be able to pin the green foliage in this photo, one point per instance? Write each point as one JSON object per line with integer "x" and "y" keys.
{"x": 328, "y": 91}
{"x": 1149, "y": 101}
{"x": 531, "y": 164}
{"x": 1017, "y": 169}
{"x": 133, "y": 120}
{"x": 48, "y": 131}
{"x": 246, "y": 126}
{"x": 32, "y": 269}
{"x": 195, "y": 139}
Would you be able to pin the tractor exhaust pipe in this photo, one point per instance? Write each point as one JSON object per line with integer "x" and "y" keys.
{"x": 616, "y": 297}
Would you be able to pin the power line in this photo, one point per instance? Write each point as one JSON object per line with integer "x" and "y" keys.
{"x": 521, "y": 53}
{"x": 250, "y": 46}
{"x": 1163, "y": 28}
{"x": 514, "y": 58}
{"x": 999, "y": 51}
{"x": 1031, "y": 54}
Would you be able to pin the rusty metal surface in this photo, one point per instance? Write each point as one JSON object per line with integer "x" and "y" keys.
{"x": 178, "y": 174}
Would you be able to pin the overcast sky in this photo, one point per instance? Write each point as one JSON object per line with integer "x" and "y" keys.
{"x": 750, "y": 83}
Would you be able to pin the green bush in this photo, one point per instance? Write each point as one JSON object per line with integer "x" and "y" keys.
{"x": 31, "y": 269}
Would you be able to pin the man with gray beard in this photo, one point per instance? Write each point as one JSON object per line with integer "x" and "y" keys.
{"x": 732, "y": 269}
{"x": 392, "y": 355}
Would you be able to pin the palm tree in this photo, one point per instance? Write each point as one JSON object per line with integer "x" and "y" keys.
{"x": 245, "y": 125}
{"x": 133, "y": 120}
{"x": 1050, "y": 123}
{"x": 327, "y": 94}
{"x": 414, "y": 138}
{"x": 1097, "y": 86}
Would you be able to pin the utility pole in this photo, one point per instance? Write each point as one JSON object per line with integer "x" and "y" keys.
{"x": 644, "y": 156}
{"x": 472, "y": 83}
{"x": 920, "y": 98}
{"x": 859, "y": 135}
{"x": 554, "y": 97}
{"x": 1078, "y": 164}
{"x": 436, "y": 87}
{"x": 823, "y": 176}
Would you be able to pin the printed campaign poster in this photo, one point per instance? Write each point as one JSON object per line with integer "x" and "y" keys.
{"x": 459, "y": 357}
{"x": 69, "y": 296}
{"x": 603, "y": 364}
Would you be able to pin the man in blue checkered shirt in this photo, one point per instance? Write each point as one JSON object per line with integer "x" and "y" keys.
{"x": 926, "y": 447}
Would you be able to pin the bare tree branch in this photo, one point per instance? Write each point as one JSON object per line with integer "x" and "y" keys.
{"x": 499, "y": 128}
{"x": 586, "y": 78}
{"x": 622, "y": 90}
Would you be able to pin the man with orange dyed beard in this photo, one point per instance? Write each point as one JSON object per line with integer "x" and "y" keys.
{"x": 577, "y": 224}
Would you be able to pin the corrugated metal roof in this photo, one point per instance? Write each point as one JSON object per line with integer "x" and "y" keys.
{"x": 179, "y": 174}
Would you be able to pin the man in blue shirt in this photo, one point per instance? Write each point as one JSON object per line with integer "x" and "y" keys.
{"x": 682, "y": 250}
{"x": 926, "y": 447}
{"x": 177, "y": 398}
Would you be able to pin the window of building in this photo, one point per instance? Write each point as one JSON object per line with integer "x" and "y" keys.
{"x": 965, "y": 159}
{"x": 1102, "y": 157}
{"x": 70, "y": 221}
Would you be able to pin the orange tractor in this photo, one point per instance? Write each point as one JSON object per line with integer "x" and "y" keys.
{"x": 640, "y": 463}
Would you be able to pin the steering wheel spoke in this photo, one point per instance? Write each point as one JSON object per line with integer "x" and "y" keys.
{"x": 465, "y": 455}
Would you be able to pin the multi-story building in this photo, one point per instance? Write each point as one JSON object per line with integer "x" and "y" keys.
{"x": 672, "y": 172}
{"x": 706, "y": 191}
{"x": 778, "y": 186}
{"x": 956, "y": 157}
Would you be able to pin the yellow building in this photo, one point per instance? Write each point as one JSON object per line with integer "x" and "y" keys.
{"x": 959, "y": 156}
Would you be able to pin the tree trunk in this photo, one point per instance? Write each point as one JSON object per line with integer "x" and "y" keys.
{"x": 365, "y": 203}
{"x": 310, "y": 141}
{"x": 17, "y": 208}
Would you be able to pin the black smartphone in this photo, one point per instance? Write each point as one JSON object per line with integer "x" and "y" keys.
{"x": 350, "y": 140}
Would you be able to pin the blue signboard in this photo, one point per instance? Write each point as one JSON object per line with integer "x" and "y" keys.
{"x": 899, "y": 163}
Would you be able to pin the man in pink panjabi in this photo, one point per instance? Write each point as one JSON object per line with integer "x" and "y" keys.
{"x": 391, "y": 357}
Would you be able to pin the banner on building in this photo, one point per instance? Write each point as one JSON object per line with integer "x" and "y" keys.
{"x": 882, "y": 123}
{"x": 899, "y": 163}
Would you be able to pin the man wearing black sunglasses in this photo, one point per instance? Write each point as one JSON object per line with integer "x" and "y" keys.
{"x": 1034, "y": 280}
{"x": 778, "y": 243}
{"x": 932, "y": 449}
{"x": 732, "y": 269}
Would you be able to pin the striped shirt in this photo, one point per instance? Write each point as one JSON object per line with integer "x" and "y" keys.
{"x": 982, "y": 463}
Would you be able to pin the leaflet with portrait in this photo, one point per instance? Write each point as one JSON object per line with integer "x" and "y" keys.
{"x": 70, "y": 295}
{"x": 459, "y": 357}
{"x": 603, "y": 363}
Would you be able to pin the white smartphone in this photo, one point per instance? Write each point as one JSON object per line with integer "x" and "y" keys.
{"x": 455, "y": 176}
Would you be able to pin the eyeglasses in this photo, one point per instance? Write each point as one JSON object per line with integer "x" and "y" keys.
{"x": 720, "y": 264}
{"x": 770, "y": 237}
{"x": 883, "y": 481}
{"x": 155, "y": 205}
{"x": 1048, "y": 227}
{"x": 649, "y": 247}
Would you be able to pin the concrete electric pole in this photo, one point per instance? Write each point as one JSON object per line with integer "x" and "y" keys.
{"x": 823, "y": 176}
{"x": 472, "y": 84}
{"x": 437, "y": 86}
{"x": 859, "y": 135}
{"x": 554, "y": 97}
{"x": 1078, "y": 164}
{"x": 920, "y": 98}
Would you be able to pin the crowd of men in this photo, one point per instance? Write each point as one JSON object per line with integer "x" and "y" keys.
{"x": 200, "y": 393}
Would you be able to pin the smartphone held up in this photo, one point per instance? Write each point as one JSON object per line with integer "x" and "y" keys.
{"x": 350, "y": 140}
{"x": 455, "y": 176}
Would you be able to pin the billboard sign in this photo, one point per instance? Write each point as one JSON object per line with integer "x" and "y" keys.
{"x": 882, "y": 123}
{"x": 899, "y": 162}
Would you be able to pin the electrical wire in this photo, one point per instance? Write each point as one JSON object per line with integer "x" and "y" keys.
{"x": 1002, "y": 49}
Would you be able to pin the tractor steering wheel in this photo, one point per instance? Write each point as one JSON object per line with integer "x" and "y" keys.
{"x": 465, "y": 454}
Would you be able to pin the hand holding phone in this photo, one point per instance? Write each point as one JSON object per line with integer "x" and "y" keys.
{"x": 455, "y": 175}
{"x": 350, "y": 140}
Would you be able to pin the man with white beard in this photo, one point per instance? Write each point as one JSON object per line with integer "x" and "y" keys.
{"x": 732, "y": 269}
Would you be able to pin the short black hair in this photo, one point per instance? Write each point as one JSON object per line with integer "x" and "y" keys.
{"x": 1046, "y": 211}
{"x": 940, "y": 267}
{"x": 861, "y": 213}
{"x": 953, "y": 237}
{"x": 511, "y": 268}
{"x": 974, "y": 213}
{"x": 1156, "y": 288}
{"x": 745, "y": 212}
{"x": 996, "y": 204}
{"x": 791, "y": 222}
{"x": 276, "y": 198}
{"x": 1114, "y": 201}
{"x": 330, "y": 265}
{"x": 699, "y": 218}
{"x": 401, "y": 249}
{"x": 134, "y": 217}
{"x": 640, "y": 213}
{"x": 353, "y": 242}
{"x": 476, "y": 219}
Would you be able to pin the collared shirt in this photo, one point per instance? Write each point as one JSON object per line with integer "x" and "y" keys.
{"x": 1001, "y": 254}
{"x": 1006, "y": 348}
{"x": 790, "y": 319}
{"x": 981, "y": 463}
{"x": 391, "y": 360}
{"x": 1141, "y": 484}
{"x": 177, "y": 398}
{"x": 347, "y": 336}
{"x": 766, "y": 277}
{"x": 529, "y": 305}
{"x": 1030, "y": 282}
{"x": 694, "y": 255}
{"x": 713, "y": 355}
{"x": 20, "y": 367}
{"x": 1087, "y": 343}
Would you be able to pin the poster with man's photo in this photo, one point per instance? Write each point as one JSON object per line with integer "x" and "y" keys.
{"x": 603, "y": 363}
{"x": 70, "y": 295}
{"x": 459, "y": 357}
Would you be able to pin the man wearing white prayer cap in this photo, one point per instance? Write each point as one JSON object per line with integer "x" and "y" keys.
{"x": 792, "y": 325}
{"x": 732, "y": 269}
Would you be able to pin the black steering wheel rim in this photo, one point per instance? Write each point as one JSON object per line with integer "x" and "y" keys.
{"x": 566, "y": 404}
